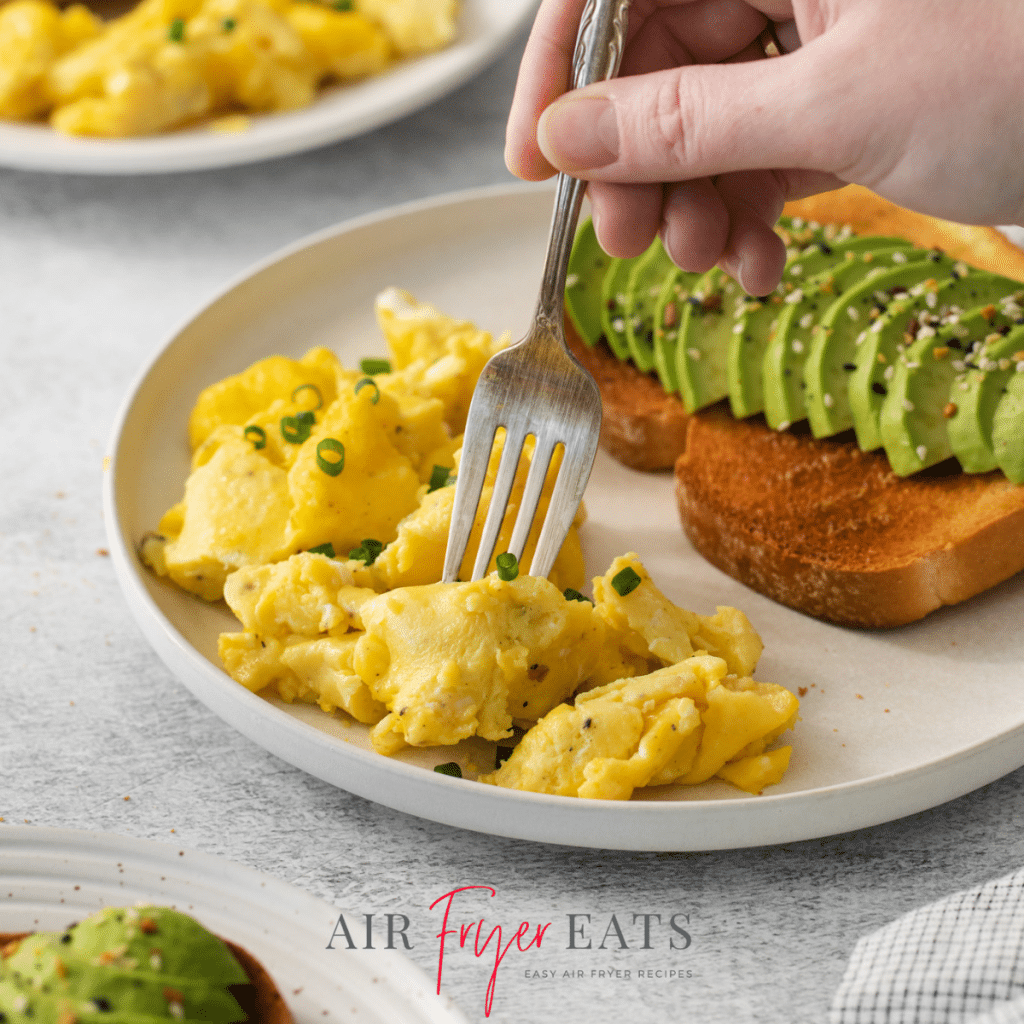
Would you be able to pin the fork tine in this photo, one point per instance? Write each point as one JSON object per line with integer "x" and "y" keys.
{"x": 565, "y": 500}
{"x": 476, "y": 454}
{"x": 503, "y": 481}
{"x": 539, "y": 463}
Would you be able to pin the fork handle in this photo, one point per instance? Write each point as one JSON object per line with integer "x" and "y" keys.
{"x": 598, "y": 53}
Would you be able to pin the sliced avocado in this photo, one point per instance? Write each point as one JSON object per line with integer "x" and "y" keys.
{"x": 588, "y": 263}
{"x": 647, "y": 283}
{"x": 975, "y": 397}
{"x": 1008, "y": 430}
{"x": 757, "y": 315}
{"x": 902, "y": 323}
{"x": 913, "y": 422}
{"x": 834, "y": 343}
{"x": 613, "y": 312}
{"x": 786, "y": 352}
{"x": 674, "y": 293}
{"x": 702, "y": 344}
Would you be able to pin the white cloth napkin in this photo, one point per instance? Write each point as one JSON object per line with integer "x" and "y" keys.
{"x": 958, "y": 961}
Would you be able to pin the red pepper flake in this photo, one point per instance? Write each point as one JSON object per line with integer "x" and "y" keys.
{"x": 148, "y": 926}
{"x": 172, "y": 995}
{"x": 802, "y": 690}
{"x": 102, "y": 552}
{"x": 65, "y": 1016}
{"x": 989, "y": 313}
{"x": 949, "y": 410}
{"x": 712, "y": 303}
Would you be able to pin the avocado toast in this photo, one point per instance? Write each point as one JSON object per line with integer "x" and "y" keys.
{"x": 935, "y": 301}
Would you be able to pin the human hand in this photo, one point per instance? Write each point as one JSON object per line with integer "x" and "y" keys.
{"x": 701, "y": 141}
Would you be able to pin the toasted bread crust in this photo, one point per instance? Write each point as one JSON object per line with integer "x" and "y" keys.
{"x": 820, "y": 525}
{"x": 267, "y": 1005}
{"x": 830, "y": 530}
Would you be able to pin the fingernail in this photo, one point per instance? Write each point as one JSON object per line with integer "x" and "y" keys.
{"x": 579, "y": 133}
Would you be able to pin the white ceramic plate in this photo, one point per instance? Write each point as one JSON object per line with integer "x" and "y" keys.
{"x": 486, "y": 27}
{"x": 892, "y": 723}
{"x": 53, "y": 876}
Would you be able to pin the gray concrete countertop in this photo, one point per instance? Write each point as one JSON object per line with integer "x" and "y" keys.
{"x": 94, "y": 272}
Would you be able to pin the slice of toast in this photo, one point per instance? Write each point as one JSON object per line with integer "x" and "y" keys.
{"x": 820, "y": 525}
{"x": 830, "y": 530}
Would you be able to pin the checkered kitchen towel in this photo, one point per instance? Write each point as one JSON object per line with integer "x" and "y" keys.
{"x": 958, "y": 961}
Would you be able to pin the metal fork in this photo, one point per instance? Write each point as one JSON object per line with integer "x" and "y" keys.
{"x": 537, "y": 386}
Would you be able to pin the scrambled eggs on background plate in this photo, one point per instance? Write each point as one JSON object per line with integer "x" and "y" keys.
{"x": 171, "y": 63}
{"x": 318, "y": 508}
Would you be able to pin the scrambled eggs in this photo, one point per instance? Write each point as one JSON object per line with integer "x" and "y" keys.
{"x": 318, "y": 507}
{"x": 169, "y": 63}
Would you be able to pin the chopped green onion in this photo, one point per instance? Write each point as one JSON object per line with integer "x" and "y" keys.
{"x": 176, "y": 33}
{"x": 625, "y": 582}
{"x": 360, "y": 384}
{"x": 323, "y": 549}
{"x": 257, "y": 435}
{"x": 306, "y": 416}
{"x": 451, "y": 768}
{"x": 438, "y": 478}
{"x": 295, "y": 429}
{"x": 574, "y": 595}
{"x": 507, "y": 565}
{"x": 332, "y": 467}
{"x": 228, "y": 24}
{"x": 371, "y": 366}
{"x": 342, "y": 5}
{"x": 314, "y": 389}
{"x": 367, "y": 551}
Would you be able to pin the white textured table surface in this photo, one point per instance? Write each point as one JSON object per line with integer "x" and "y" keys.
{"x": 93, "y": 274}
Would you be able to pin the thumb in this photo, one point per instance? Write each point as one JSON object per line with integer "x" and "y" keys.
{"x": 702, "y": 120}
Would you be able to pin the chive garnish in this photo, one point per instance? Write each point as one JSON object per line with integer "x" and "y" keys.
{"x": 257, "y": 435}
{"x": 342, "y": 5}
{"x": 295, "y": 429}
{"x": 314, "y": 389}
{"x": 176, "y": 33}
{"x": 507, "y": 565}
{"x": 360, "y": 384}
{"x": 373, "y": 366}
{"x": 367, "y": 551}
{"x": 332, "y": 466}
{"x": 228, "y": 24}
{"x": 323, "y": 549}
{"x": 450, "y": 768}
{"x": 438, "y": 478}
{"x": 625, "y": 581}
{"x": 574, "y": 595}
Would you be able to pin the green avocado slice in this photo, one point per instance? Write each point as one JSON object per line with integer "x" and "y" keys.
{"x": 757, "y": 315}
{"x": 703, "y": 339}
{"x": 786, "y": 351}
{"x": 673, "y": 295}
{"x": 975, "y": 397}
{"x": 913, "y": 422}
{"x": 588, "y": 263}
{"x": 613, "y": 312}
{"x": 830, "y": 360}
{"x": 904, "y": 319}
{"x": 1008, "y": 430}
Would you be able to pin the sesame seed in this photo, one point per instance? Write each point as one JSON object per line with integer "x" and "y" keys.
{"x": 737, "y": 328}
{"x": 1020, "y": 366}
{"x": 784, "y": 425}
{"x": 851, "y": 312}
{"x": 913, "y": 365}
{"x": 925, "y": 332}
{"x": 693, "y": 353}
{"x": 806, "y": 320}
{"x": 899, "y": 257}
{"x": 921, "y": 451}
{"x": 797, "y": 269}
{"x": 828, "y": 401}
{"x": 619, "y": 324}
{"x": 908, "y": 406}
{"x": 960, "y": 267}
{"x": 572, "y": 280}
{"x": 931, "y": 300}
{"x": 798, "y": 347}
{"x": 889, "y": 371}
{"x": 795, "y": 296}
